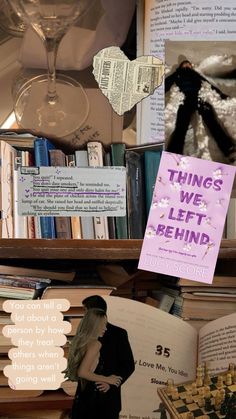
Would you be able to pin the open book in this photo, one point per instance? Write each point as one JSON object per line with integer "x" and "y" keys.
{"x": 165, "y": 347}
{"x": 160, "y": 20}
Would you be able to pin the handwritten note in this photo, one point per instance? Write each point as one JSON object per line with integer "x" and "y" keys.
{"x": 69, "y": 191}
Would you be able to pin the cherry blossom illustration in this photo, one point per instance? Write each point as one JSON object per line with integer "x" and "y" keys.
{"x": 220, "y": 202}
{"x": 202, "y": 206}
{"x": 163, "y": 202}
{"x": 208, "y": 221}
{"x": 181, "y": 161}
{"x": 184, "y": 163}
{"x": 162, "y": 242}
{"x": 150, "y": 232}
{"x": 176, "y": 186}
{"x": 187, "y": 247}
{"x": 208, "y": 247}
{"x": 154, "y": 205}
{"x": 219, "y": 173}
{"x": 160, "y": 180}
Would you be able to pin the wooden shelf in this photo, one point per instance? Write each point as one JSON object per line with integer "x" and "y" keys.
{"x": 70, "y": 249}
{"x": 227, "y": 249}
{"x": 48, "y": 400}
{"x": 85, "y": 249}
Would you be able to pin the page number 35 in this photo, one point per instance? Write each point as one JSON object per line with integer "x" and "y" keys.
{"x": 162, "y": 351}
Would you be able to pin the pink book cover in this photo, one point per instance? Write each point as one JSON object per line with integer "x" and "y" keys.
{"x": 187, "y": 216}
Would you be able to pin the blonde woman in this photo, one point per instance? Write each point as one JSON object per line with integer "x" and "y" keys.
{"x": 85, "y": 366}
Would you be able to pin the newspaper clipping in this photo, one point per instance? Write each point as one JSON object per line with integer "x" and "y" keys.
{"x": 125, "y": 82}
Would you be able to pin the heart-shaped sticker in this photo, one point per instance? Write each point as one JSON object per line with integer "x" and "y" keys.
{"x": 125, "y": 82}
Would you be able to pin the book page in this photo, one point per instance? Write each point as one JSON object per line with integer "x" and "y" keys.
{"x": 179, "y": 20}
{"x": 217, "y": 343}
{"x": 164, "y": 347}
{"x": 72, "y": 191}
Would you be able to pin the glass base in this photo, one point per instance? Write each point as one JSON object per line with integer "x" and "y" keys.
{"x": 61, "y": 118}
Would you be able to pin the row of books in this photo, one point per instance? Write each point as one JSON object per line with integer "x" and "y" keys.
{"x": 195, "y": 302}
{"x": 203, "y": 302}
{"x": 142, "y": 165}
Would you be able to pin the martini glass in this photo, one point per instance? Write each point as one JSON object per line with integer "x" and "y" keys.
{"x": 50, "y": 104}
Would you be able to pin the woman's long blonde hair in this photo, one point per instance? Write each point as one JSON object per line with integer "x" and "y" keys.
{"x": 87, "y": 331}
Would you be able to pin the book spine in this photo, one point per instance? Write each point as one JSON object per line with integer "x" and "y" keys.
{"x": 231, "y": 220}
{"x": 76, "y": 229}
{"x": 176, "y": 309}
{"x": 166, "y": 302}
{"x": 37, "y": 227}
{"x": 62, "y": 224}
{"x": 95, "y": 159}
{"x": 7, "y": 159}
{"x": 70, "y": 160}
{"x": 20, "y": 222}
{"x": 110, "y": 220}
{"x": 151, "y": 164}
{"x": 87, "y": 226}
{"x": 41, "y": 148}
{"x": 28, "y": 161}
{"x": 118, "y": 159}
{"x": 15, "y": 283}
{"x": 135, "y": 195}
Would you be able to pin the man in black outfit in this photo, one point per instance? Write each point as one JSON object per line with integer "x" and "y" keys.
{"x": 115, "y": 358}
{"x": 189, "y": 82}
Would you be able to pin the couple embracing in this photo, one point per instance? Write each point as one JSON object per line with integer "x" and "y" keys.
{"x": 100, "y": 359}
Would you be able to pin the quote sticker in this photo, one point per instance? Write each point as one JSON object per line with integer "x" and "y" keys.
{"x": 37, "y": 360}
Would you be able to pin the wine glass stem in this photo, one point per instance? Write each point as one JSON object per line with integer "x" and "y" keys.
{"x": 51, "y": 51}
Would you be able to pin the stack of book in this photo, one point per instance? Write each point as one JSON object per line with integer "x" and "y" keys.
{"x": 203, "y": 302}
{"x": 168, "y": 299}
{"x": 27, "y": 284}
{"x": 22, "y": 286}
{"x": 142, "y": 164}
{"x": 135, "y": 285}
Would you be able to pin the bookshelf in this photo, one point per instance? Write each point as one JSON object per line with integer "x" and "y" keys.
{"x": 70, "y": 249}
{"x": 85, "y": 249}
{"x": 74, "y": 250}
{"x": 227, "y": 249}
